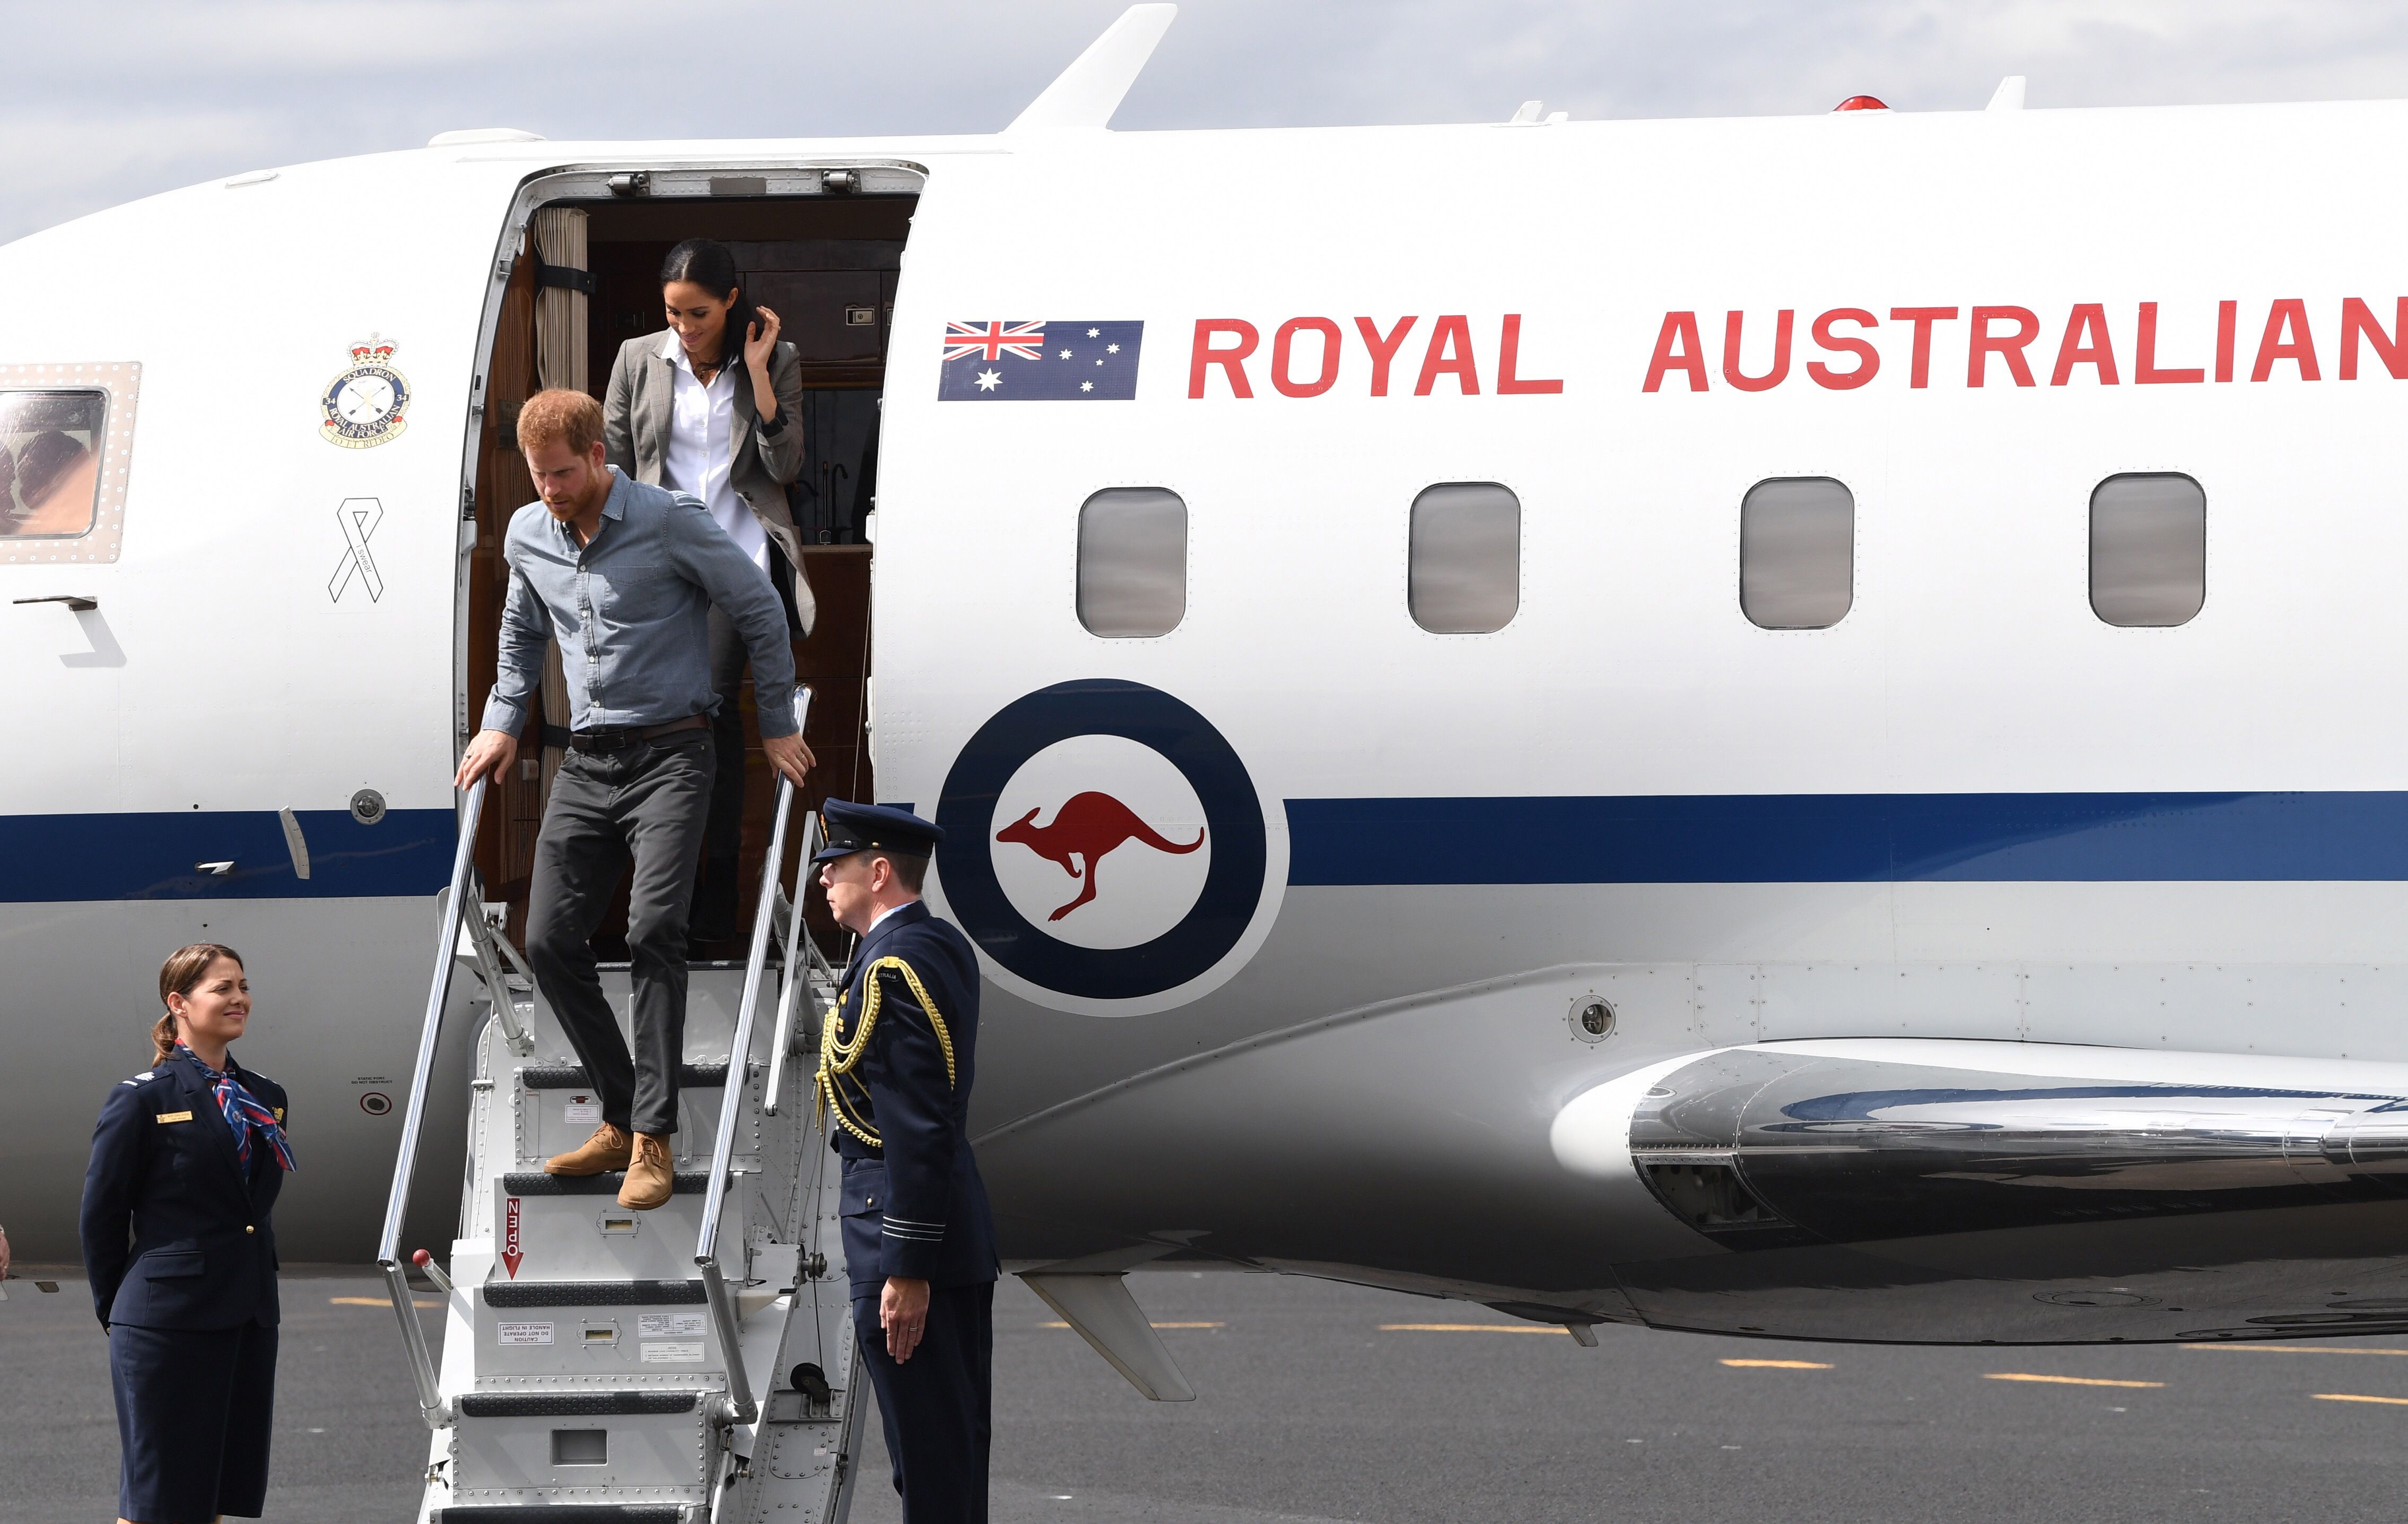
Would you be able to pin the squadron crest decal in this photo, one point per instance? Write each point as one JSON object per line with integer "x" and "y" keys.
{"x": 364, "y": 405}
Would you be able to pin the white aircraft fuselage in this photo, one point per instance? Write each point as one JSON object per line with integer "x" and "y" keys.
{"x": 2145, "y": 884}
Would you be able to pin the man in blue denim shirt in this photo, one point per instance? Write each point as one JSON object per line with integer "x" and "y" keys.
{"x": 624, "y": 575}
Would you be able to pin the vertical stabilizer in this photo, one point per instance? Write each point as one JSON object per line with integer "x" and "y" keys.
{"x": 1084, "y": 96}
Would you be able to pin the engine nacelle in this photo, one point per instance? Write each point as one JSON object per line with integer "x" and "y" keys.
{"x": 1960, "y": 1192}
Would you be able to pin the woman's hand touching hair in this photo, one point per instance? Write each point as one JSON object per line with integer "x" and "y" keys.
{"x": 761, "y": 342}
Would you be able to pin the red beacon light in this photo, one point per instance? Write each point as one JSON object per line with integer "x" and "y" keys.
{"x": 1862, "y": 102}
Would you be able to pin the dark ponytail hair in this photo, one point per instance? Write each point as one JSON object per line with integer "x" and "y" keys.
{"x": 183, "y": 969}
{"x": 706, "y": 262}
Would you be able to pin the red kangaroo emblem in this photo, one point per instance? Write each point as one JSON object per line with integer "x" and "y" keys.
{"x": 1089, "y": 828}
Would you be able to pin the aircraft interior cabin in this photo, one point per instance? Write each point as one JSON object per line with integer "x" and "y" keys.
{"x": 586, "y": 280}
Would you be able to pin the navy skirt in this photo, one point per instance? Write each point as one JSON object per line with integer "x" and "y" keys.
{"x": 193, "y": 1410}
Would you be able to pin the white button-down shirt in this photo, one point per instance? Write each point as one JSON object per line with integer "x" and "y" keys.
{"x": 700, "y": 458}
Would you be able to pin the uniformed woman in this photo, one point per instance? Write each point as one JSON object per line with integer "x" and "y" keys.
{"x": 180, "y": 1248}
{"x": 710, "y": 407}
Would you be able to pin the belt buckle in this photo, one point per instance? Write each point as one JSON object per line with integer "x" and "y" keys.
{"x": 607, "y": 738}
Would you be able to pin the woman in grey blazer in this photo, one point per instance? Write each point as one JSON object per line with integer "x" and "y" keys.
{"x": 712, "y": 407}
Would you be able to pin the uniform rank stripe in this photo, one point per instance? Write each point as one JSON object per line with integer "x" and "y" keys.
{"x": 913, "y": 1222}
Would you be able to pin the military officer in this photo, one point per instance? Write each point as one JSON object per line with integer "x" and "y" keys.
{"x": 180, "y": 1242}
{"x": 896, "y": 1067}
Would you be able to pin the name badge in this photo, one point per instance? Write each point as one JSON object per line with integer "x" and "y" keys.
{"x": 175, "y": 1116}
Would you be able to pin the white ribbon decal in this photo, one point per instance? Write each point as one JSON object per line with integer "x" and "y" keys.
{"x": 359, "y": 517}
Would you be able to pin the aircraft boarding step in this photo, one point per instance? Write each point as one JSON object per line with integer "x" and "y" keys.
{"x": 691, "y": 1363}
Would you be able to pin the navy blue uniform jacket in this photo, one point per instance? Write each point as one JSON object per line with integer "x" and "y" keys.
{"x": 203, "y": 1247}
{"x": 914, "y": 1207}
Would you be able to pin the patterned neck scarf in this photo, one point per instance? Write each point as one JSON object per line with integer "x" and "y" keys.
{"x": 243, "y": 1113}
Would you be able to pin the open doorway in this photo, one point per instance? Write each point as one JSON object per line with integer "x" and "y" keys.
{"x": 585, "y": 278}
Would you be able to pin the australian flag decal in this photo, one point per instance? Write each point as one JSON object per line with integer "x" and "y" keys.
{"x": 1092, "y": 361}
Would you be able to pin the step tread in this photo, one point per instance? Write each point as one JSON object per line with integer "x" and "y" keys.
{"x": 537, "y": 1182}
{"x": 573, "y": 1077}
{"x": 592, "y": 1293}
{"x": 575, "y": 1404}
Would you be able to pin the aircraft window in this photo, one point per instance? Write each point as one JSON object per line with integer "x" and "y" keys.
{"x": 1133, "y": 562}
{"x": 1798, "y": 553}
{"x": 2148, "y": 549}
{"x": 1463, "y": 570}
{"x": 50, "y": 449}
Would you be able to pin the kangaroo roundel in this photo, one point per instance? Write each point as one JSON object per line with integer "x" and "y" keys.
{"x": 1106, "y": 848}
{"x": 1110, "y": 866}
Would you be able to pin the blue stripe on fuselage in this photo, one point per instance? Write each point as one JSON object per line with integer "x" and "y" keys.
{"x": 153, "y": 856}
{"x": 1851, "y": 838}
{"x": 1636, "y": 839}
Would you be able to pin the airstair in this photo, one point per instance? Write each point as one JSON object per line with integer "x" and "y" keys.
{"x": 695, "y": 1362}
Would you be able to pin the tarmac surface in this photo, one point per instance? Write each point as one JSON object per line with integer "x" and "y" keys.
{"x": 1315, "y": 1405}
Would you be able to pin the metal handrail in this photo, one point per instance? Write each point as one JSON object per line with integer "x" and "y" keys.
{"x": 430, "y": 1405}
{"x": 795, "y": 976}
{"x": 741, "y": 1408}
{"x": 493, "y": 955}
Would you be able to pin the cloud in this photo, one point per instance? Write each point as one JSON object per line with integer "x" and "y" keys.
{"x": 142, "y": 96}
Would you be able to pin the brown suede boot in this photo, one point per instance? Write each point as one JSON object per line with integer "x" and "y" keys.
{"x": 650, "y": 1174}
{"x": 607, "y": 1149}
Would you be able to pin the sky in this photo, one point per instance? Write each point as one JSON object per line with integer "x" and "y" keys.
{"x": 108, "y": 100}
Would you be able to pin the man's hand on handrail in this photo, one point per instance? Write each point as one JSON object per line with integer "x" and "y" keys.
{"x": 489, "y": 755}
{"x": 787, "y": 753}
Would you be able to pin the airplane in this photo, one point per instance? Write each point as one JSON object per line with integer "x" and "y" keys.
{"x": 1792, "y": 721}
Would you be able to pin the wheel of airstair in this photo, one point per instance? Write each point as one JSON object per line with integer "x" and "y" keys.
{"x": 694, "y": 1362}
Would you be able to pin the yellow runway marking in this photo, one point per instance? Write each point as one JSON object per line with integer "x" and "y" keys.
{"x": 1781, "y": 1365}
{"x": 2305, "y": 1349}
{"x": 1470, "y": 1328}
{"x": 1156, "y": 1325}
{"x": 377, "y": 1302}
{"x": 2067, "y": 1381}
{"x": 2353, "y": 1397}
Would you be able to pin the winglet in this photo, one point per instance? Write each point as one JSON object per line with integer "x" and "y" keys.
{"x": 2008, "y": 96}
{"x": 1087, "y": 93}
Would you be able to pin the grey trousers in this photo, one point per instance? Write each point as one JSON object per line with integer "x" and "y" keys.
{"x": 647, "y": 801}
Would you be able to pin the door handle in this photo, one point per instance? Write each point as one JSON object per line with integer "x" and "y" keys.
{"x": 80, "y": 602}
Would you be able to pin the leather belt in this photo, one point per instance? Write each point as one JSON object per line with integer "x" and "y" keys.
{"x": 618, "y": 739}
